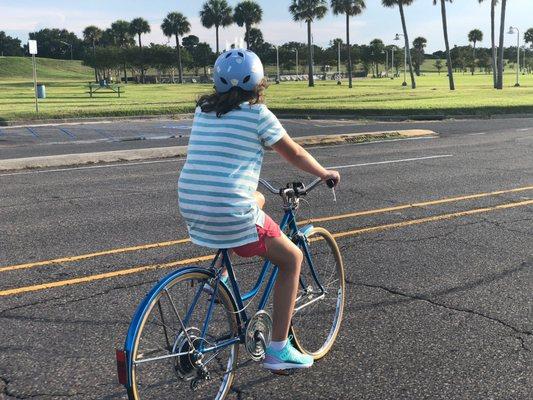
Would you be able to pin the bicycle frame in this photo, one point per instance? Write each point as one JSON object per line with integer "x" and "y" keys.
{"x": 125, "y": 362}
{"x": 288, "y": 220}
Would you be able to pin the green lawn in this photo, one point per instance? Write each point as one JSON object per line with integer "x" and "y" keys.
{"x": 19, "y": 69}
{"x": 67, "y": 97}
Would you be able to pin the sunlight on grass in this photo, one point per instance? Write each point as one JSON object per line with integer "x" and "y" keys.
{"x": 474, "y": 95}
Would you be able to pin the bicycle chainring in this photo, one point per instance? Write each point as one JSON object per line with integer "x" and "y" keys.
{"x": 258, "y": 335}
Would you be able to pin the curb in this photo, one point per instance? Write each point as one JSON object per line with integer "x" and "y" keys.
{"x": 69, "y": 160}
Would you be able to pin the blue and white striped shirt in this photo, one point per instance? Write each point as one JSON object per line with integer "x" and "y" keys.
{"x": 217, "y": 183}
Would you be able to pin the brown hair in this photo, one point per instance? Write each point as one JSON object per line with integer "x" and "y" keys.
{"x": 223, "y": 103}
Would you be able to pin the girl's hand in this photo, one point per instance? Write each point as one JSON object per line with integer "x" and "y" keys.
{"x": 331, "y": 174}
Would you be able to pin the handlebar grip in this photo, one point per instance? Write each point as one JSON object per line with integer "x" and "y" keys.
{"x": 331, "y": 183}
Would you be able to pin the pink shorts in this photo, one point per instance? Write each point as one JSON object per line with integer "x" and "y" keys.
{"x": 259, "y": 248}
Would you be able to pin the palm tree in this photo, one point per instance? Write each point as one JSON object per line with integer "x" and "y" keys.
{"x": 474, "y": 36}
{"x": 92, "y": 34}
{"x": 121, "y": 33}
{"x": 176, "y": 24}
{"x": 350, "y": 8}
{"x": 120, "y": 30}
{"x": 446, "y": 41}
{"x": 400, "y": 4}
{"x": 499, "y": 84}
{"x": 419, "y": 44}
{"x": 216, "y": 13}
{"x": 139, "y": 26}
{"x": 308, "y": 11}
{"x": 493, "y": 4}
{"x": 246, "y": 14}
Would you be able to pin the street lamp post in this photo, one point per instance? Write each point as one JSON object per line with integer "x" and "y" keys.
{"x": 296, "y": 61}
{"x": 69, "y": 45}
{"x": 392, "y": 64}
{"x": 339, "y": 63}
{"x": 512, "y": 30}
{"x": 397, "y": 37}
{"x": 524, "y": 61}
{"x": 277, "y": 64}
{"x": 387, "y": 62}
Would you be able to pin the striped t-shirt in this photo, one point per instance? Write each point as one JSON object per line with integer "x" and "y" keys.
{"x": 221, "y": 174}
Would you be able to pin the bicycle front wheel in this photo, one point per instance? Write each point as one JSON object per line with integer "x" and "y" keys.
{"x": 320, "y": 301}
{"x": 163, "y": 366}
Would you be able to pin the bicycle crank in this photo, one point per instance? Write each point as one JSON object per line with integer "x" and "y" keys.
{"x": 258, "y": 335}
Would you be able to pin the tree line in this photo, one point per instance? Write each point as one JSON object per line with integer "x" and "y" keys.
{"x": 114, "y": 47}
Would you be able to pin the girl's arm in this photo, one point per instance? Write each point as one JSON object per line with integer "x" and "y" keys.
{"x": 301, "y": 159}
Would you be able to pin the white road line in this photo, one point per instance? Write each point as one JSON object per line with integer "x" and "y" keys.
{"x": 177, "y": 127}
{"x": 478, "y": 133}
{"x": 391, "y": 161}
{"x": 523, "y": 129}
{"x": 67, "y": 169}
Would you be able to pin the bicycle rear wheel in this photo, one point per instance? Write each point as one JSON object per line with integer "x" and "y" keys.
{"x": 317, "y": 315}
{"x": 157, "y": 373}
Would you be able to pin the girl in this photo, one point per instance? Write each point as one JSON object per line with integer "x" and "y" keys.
{"x": 218, "y": 183}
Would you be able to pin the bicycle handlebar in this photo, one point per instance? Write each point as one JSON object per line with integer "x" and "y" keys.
{"x": 303, "y": 190}
{"x": 268, "y": 186}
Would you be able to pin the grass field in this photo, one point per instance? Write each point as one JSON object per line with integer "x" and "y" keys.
{"x": 19, "y": 69}
{"x": 67, "y": 96}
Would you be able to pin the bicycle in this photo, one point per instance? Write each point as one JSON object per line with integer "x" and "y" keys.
{"x": 183, "y": 335}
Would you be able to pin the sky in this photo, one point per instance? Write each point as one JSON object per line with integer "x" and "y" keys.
{"x": 18, "y": 17}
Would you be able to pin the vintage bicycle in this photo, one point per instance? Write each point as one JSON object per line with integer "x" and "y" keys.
{"x": 183, "y": 341}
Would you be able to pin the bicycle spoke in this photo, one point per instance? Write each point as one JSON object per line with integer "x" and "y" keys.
{"x": 172, "y": 325}
{"x": 178, "y": 316}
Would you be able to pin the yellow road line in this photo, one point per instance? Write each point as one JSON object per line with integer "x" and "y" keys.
{"x": 92, "y": 255}
{"x": 130, "y": 271}
{"x": 92, "y": 278}
{"x": 431, "y": 219}
{"x": 415, "y": 205}
{"x": 319, "y": 219}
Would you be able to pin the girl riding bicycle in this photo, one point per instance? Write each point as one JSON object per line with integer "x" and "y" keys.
{"x": 217, "y": 186}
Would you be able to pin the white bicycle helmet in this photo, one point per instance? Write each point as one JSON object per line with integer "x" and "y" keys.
{"x": 238, "y": 68}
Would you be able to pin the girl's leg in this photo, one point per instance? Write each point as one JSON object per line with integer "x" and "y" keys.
{"x": 288, "y": 257}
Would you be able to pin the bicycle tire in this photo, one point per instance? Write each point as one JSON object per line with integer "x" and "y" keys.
{"x": 225, "y": 302}
{"x": 314, "y": 331}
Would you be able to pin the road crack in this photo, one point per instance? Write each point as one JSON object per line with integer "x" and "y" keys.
{"x": 3, "y": 313}
{"x": 502, "y": 225}
{"x": 517, "y": 332}
{"x": 443, "y": 305}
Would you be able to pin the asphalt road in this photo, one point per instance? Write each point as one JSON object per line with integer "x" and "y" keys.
{"x": 32, "y": 141}
{"x": 438, "y": 299}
